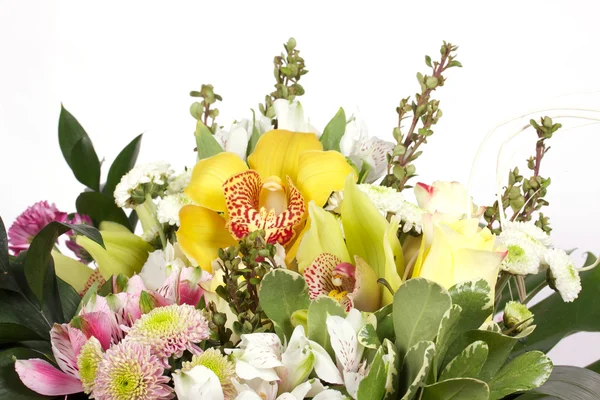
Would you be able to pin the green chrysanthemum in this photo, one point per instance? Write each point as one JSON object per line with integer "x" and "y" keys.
{"x": 88, "y": 359}
{"x": 170, "y": 330}
{"x": 217, "y": 363}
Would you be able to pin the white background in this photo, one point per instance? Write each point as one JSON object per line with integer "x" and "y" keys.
{"x": 127, "y": 67}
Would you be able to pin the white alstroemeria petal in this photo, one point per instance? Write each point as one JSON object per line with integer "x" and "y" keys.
{"x": 153, "y": 272}
{"x": 290, "y": 116}
{"x": 198, "y": 383}
{"x": 248, "y": 395}
{"x": 238, "y": 141}
{"x": 324, "y": 366}
{"x": 330, "y": 394}
{"x": 351, "y": 382}
{"x": 247, "y": 371}
{"x": 344, "y": 342}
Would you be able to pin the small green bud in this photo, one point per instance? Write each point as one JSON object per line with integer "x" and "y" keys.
{"x": 147, "y": 303}
{"x": 517, "y": 316}
{"x": 431, "y": 82}
{"x": 411, "y": 169}
{"x": 300, "y": 317}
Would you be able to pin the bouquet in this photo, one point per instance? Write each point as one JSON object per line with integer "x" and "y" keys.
{"x": 290, "y": 263}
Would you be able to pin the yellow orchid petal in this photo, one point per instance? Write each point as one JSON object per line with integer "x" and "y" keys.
{"x": 277, "y": 153}
{"x": 254, "y": 204}
{"x": 323, "y": 236}
{"x": 76, "y": 274}
{"x": 201, "y": 234}
{"x": 320, "y": 173}
{"x": 208, "y": 176}
{"x": 369, "y": 235}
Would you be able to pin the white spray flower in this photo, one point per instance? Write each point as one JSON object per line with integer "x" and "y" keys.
{"x": 179, "y": 182}
{"x": 527, "y": 246}
{"x": 566, "y": 279}
{"x": 168, "y": 208}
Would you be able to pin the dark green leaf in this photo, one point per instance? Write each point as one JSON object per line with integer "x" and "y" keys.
{"x": 124, "y": 162}
{"x": 206, "y": 143}
{"x": 69, "y": 299}
{"x": 78, "y": 150}
{"x": 567, "y": 383}
{"x": 419, "y": 306}
{"x": 20, "y": 319}
{"x": 39, "y": 257}
{"x": 594, "y": 367}
{"x": 559, "y": 319}
{"x": 133, "y": 220}
{"x": 6, "y": 279}
{"x": 415, "y": 367}
{"x": 457, "y": 389}
{"x": 448, "y": 331}
{"x": 334, "y": 130}
{"x": 101, "y": 207}
{"x": 528, "y": 371}
{"x": 10, "y": 384}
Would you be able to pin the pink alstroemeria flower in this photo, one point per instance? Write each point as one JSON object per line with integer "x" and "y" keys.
{"x": 30, "y": 223}
{"x": 44, "y": 378}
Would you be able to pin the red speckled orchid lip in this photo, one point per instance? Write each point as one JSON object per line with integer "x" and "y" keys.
{"x": 253, "y": 203}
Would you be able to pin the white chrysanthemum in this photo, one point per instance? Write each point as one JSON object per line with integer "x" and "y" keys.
{"x": 386, "y": 199}
{"x": 524, "y": 253}
{"x": 411, "y": 217}
{"x": 565, "y": 276}
{"x": 530, "y": 230}
{"x": 179, "y": 182}
{"x": 169, "y": 206}
{"x": 129, "y": 188}
{"x": 334, "y": 203}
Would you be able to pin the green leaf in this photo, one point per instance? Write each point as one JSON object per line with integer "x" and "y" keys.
{"x": 468, "y": 363}
{"x": 528, "y": 371}
{"x": 124, "y": 162}
{"x": 415, "y": 367}
{"x": 334, "y": 130}
{"x": 367, "y": 336}
{"x": 78, "y": 150}
{"x": 594, "y": 366}
{"x": 392, "y": 379}
{"x": 448, "y": 331}
{"x": 281, "y": 293}
{"x": 372, "y": 387}
{"x": 10, "y": 384}
{"x": 457, "y": 389}
{"x": 254, "y": 137}
{"x": 206, "y": 143}
{"x": 20, "y": 319}
{"x": 39, "y": 257}
{"x": 499, "y": 347}
{"x": 567, "y": 383}
{"x": 69, "y": 299}
{"x": 562, "y": 319}
{"x": 475, "y": 300}
{"x": 318, "y": 311}
{"x": 101, "y": 207}
{"x": 6, "y": 279}
{"x": 419, "y": 306}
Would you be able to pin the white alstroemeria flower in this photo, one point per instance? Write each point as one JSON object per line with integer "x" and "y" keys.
{"x": 565, "y": 276}
{"x": 301, "y": 357}
{"x": 312, "y": 388}
{"x": 160, "y": 265}
{"x": 360, "y": 148}
{"x": 527, "y": 246}
{"x": 255, "y": 389}
{"x": 258, "y": 356}
{"x": 290, "y": 116}
{"x": 236, "y": 139}
{"x": 348, "y": 351}
{"x": 198, "y": 383}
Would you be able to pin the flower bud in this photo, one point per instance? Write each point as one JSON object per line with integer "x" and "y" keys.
{"x": 517, "y": 315}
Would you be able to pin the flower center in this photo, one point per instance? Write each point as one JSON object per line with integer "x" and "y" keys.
{"x": 273, "y": 196}
{"x": 337, "y": 294}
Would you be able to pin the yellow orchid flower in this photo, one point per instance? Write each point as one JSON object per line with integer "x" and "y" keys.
{"x": 285, "y": 172}
{"x": 370, "y": 244}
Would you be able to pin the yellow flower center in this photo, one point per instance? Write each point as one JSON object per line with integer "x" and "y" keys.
{"x": 337, "y": 294}
{"x": 273, "y": 196}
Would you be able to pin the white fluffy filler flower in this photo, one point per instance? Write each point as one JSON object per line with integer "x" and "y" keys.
{"x": 527, "y": 246}
{"x": 566, "y": 277}
{"x": 179, "y": 182}
{"x": 168, "y": 208}
{"x": 156, "y": 172}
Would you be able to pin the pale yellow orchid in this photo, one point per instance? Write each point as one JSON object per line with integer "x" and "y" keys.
{"x": 346, "y": 266}
{"x": 285, "y": 172}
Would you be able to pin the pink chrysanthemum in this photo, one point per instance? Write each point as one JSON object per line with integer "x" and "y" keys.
{"x": 30, "y": 223}
{"x": 129, "y": 371}
{"x": 170, "y": 330}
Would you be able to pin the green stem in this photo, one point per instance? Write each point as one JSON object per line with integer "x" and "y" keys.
{"x": 535, "y": 291}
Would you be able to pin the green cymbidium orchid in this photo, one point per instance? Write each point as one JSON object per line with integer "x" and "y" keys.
{"x": 346, "y": 265}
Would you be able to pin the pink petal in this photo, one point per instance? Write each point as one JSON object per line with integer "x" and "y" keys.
{"x": 135, "y": 285}
{"x": 190, "y": 293}
{"x": 318, "y": 275}
{"x": 43, "y": 378}
{"x": 98, "y": 325}
{"x": 170, "y": 288}
{"x": 66, "y": 344}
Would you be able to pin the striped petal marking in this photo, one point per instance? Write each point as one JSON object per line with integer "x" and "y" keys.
{"x": 257, "y": 204}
